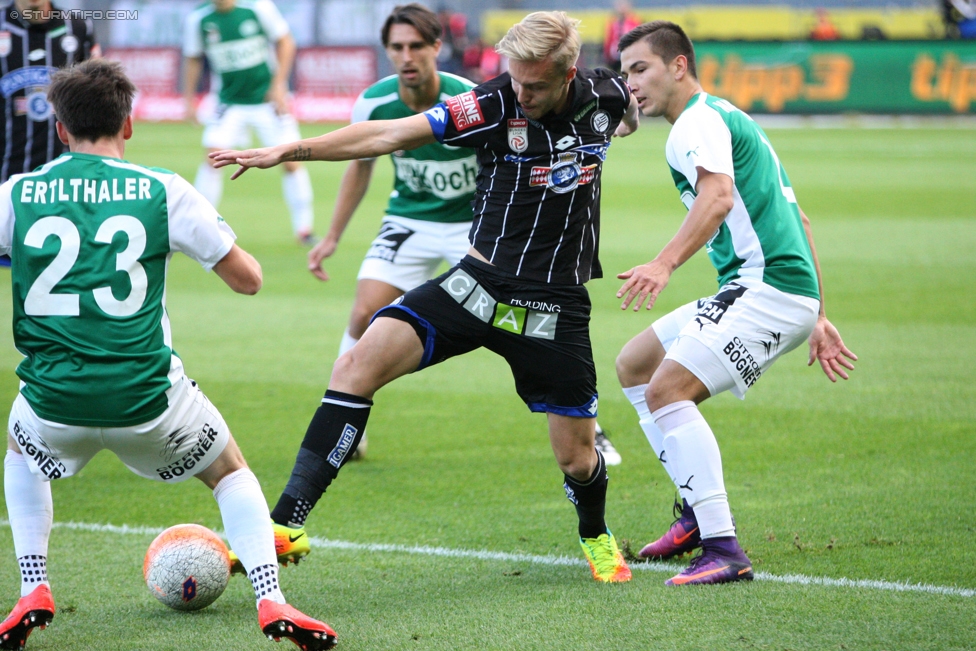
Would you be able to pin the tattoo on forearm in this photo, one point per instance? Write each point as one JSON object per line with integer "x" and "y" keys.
{"x": 302, "y": 153}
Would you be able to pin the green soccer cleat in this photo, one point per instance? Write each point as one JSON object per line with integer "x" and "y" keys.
{"x": 606, "y": 561}
{"x": 291, "y": 545}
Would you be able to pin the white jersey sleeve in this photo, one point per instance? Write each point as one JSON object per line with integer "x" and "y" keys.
{"x": 272, "y": 22}
{"x": 6, "y": 217}
{"x": 362, "y": 109}
{"x": 193, "y": 36}
{"x": 195, "y": 228}
{"x": 700, "y": 138}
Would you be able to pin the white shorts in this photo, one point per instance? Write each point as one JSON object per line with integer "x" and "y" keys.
{"x": 231, "y": 125}
{"x": 407, "y": 252}
{"x": 175, "y": 446}
{"x": 729, "y": 340}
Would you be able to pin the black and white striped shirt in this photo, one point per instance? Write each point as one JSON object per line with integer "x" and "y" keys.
{"x": 537, "y": 206}
{"x": 29, "y": 54}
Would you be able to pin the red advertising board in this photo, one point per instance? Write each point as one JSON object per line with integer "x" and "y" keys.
{"x": 327, "y": 81}
{"x": 334, "y": 71}
{"x": 154, "y": 70}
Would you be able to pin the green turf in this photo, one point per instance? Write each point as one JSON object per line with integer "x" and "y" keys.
{"x": 870, "y": 479}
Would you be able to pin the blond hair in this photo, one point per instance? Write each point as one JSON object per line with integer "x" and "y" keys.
{"x": 541, "y": 35}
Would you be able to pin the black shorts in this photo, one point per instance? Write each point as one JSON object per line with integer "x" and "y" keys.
{"x": 541, "y": 330}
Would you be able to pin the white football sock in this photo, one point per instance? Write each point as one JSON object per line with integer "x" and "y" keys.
{"x": 346, "y": 343}
{"x": 31, "y": 512}
{"x": 636, "y": 395}
{"x": 210, "y": 183}
{"x": 297, "y": 187}
{"x": 247, "y": 523}
{"x": 693, "y": 453}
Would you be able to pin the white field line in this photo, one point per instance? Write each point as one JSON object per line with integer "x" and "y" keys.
{"x": 444, "y": 552}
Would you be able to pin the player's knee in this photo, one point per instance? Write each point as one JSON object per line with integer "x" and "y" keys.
{"x": 230, "y": 460}
{"x": 344, "y": 367}
{"x": 351, "y": 375}
{"x": 636, "y": 363}
{"x": 627, "y": 371}
{"x": 578, "y": 463}
{"x": 659, "y": 393}
{"x": 673, "y": 383}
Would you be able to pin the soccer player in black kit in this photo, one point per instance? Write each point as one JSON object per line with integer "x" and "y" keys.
{"x": 34, "y": 42}
{"x": 541, "y": 133}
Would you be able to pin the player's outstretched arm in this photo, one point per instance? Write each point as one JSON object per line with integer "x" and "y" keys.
{"x": 361, "y": 140}
{"x": 352, "y": 189}
{"x": 240, "y": 271}
{"x": 713, "y": 203}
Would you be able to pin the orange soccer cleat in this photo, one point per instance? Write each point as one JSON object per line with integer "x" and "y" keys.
{"x": 281, "y": 620}
{"x": 34, "y": 610}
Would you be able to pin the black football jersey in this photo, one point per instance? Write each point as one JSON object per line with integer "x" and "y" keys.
{"x": 29, "y": 54}
{"x": 537, "y": 206}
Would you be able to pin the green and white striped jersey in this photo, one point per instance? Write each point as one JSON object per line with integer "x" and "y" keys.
{"x": 436, "y": 182}
{"x": 762, "y": 237}
{"x": 238, "y": 45}
{"x": 90, "y": 239}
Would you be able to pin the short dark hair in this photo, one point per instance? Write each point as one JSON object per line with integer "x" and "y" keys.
{"x": 417, "y": 16}
{"x": 92, "y": 99}
{"x": 666, "y": 39}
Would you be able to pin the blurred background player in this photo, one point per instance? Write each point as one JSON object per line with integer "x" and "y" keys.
{"x": 428, "y": 216}
{"x": 32, "y": 43}
{"x": 541, "y": 133}
{"x": 99, "y": 371}
{"x": 236, "y": 38}
{"x": 960, "y": 18}
{"x": 742, "y": 209}
{"x": 622, "y": 21}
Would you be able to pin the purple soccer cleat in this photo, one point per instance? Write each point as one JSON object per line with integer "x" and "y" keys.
{"x": 683, "y": 536}
{"x": 721, "y": 561}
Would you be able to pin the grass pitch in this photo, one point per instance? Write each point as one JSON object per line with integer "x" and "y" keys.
{"x": 867, "y": 480}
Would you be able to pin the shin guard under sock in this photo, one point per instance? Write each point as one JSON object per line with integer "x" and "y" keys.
{"x": 331, "y": 437}
{"x": 31, "y": 512}
{"x": 590, "y": 499}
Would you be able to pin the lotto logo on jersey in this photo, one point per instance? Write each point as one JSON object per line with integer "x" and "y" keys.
{"x": 465, "y": 111}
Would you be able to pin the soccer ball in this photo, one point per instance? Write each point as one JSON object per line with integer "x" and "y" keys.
{"x": 187, "y": 567}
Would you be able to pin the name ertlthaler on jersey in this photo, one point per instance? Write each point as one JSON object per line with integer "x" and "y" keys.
{"x": 84, "y": 190}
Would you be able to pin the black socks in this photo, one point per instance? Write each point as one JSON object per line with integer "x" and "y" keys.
{"x": 330, "y": 440}
{"x": 590, "y": 499}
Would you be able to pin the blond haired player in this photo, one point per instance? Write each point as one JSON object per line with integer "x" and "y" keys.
{"x": 541, "y": 131}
